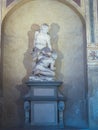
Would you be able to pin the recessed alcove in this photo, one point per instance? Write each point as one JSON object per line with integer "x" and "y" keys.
{"x": 67, "y": 29}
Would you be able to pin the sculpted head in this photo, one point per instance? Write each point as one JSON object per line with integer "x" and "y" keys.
{"x": 44, "y": 28}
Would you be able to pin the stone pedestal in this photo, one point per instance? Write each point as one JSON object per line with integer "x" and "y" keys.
{"x": 42, "y": 104}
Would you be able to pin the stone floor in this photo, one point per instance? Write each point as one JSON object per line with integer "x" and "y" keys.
{"x": 42, "y": 128}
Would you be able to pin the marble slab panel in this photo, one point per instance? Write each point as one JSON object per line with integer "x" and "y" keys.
{"x": 43, "y": 113}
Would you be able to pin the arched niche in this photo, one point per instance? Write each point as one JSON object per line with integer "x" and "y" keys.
{"x": 70, "y": 45}
{"x": 15, "y": 4}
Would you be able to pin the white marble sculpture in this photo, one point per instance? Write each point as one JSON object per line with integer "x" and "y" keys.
{"x": 43, "y": 56}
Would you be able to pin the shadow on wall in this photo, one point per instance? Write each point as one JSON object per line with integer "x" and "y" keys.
{"x": 28, "y": 66}
{"x": 54, "y": 30}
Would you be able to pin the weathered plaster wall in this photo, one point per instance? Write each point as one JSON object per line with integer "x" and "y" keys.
{"x": 71, "y": 57}
{"x": 93, "y": 96}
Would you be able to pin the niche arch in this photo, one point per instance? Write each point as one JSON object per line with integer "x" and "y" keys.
{"x": 79, "y": 16}
{"x": 16, "y": 4}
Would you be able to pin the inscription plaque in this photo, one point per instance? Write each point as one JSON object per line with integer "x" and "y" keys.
{"x": 43, "y": 92}
{"x": 43, "y": 113}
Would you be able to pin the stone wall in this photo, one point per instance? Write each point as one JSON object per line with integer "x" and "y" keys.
{"x": 71, "y": 35}
{"x": 17, "y": 59}
{"x": 92, "y": 48}
{"x": 93, "y": 96}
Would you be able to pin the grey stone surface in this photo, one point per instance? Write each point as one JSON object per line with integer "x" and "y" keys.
{"x": 44, "y": 113}
{"x": 44, "y": 92}
{"x": 93, "y": 96}
{"x": 43, "y": 99}
{"x": 44, "y": 128}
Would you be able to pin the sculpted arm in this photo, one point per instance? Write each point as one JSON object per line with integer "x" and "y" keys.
{"x": 35, "y": 38}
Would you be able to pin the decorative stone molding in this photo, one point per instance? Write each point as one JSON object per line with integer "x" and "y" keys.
{"x": 27, "y": 111}
{"x": 92, "y": 54}
{"x": 61, "y": 106}
{"x": 8, "y": 2}
{"x": 7, "y": 5}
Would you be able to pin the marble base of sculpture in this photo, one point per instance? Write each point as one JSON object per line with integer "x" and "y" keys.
{"x": 41, "y": 78}
{"x": 42, "y": 104}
